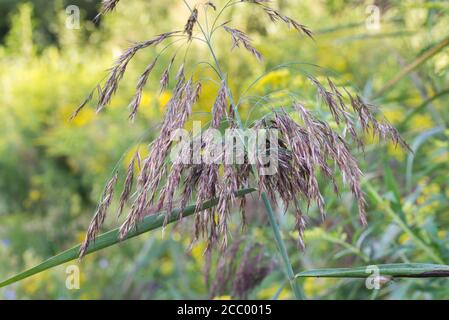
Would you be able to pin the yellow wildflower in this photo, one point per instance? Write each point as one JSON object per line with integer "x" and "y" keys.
{"x": 313, "y": 287}
{"x": 166, "y": 266}
{"x": 89, "y": 295}
{"x": 80, "y": 236}
{"x": 270, "y": 292}
{"x": 394, "y": 116}
{"x": 34, "y": 195}
{"x": 313, "y": 234}
{"x": 442, "y": 154}
{"x": 421, "y": 200}
{"x": 298, "y": 81}
{"x": 431, "y": 189}
{"x": 143, "y": 151}
{"x": 197, "y": 252}
{"x": 30, "y": 285}
{"x": 395, "y": 151}
{"x": 421, "y": 122}
{"x": 147, "y": 108}
{"x": 277, "y": 78}
{"x": 403, "y": 238}
{"x": 146, "y": 99}
{"x": 163, "y": 99}
{"x": 223, "y": 298}
{"x": 85, "y": 116}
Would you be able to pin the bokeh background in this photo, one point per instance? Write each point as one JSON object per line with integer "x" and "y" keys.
{"x": 52, "y": 170}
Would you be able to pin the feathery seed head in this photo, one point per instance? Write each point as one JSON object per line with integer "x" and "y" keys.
{"x": 304, "y": 150}
{"x": 191, "y": 23}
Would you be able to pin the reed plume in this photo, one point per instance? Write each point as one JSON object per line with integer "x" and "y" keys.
{"x": 307, "y": 149}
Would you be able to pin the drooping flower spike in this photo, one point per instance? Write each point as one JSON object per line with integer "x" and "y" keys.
{"x": 305, "y": 150}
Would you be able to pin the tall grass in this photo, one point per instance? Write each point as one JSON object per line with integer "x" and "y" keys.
{"x": 394, "y": 210}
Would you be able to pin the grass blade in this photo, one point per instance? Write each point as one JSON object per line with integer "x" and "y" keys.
{"x": 398, "y": 270}
{"x": 112, "y": 237}
{"x": 417, "y": 143}
{"x": 413, "y": 65}
{"x": 420, "y": 243}
{"x": 421, "y": 107}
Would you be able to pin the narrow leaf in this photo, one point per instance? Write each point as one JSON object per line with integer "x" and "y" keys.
{"x": 112, "y": 237}
{"x": 416, "y": 238}
{"x": 414, "y": 65}
{"x": 399, "y": 270}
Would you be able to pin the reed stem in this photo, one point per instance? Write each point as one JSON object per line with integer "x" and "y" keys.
{"x": 276, "y": 231}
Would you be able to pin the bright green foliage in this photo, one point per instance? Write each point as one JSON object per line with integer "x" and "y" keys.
{"x": 52, "y": 171}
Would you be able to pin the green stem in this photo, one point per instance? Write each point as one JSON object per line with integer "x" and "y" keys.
{"x": 282, "y": 249}
{"x": 277, "y": 234}
{"x": 413, "y": 65}
{"x": 403, "y": 225}
{"x": 112, "y": 237}
{"x": 396, "y": 270}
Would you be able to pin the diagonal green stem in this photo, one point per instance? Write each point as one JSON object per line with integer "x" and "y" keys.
{"x": 112, "y": 237}
{"x": 413, "y": 65}
{"x": 403, "y": 225}
{"x": 282, "y": 249}
{"x": 395, "y": 270}
{"x": 277, "y": 234}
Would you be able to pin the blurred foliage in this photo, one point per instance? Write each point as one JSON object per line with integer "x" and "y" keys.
{"x": 44, "y": 12}
{"x": 53, "y": 170}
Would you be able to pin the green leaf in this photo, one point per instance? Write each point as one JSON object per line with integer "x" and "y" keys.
{"x": 399, "y": 270}
{"x": 414, "y": 65}
{"x": 417, "y": 143}
{"x": 112, "y": 237}
{"x": 417, "y": 110}
{"x": 416, "y": 238}
{"x": 391, "y": 182}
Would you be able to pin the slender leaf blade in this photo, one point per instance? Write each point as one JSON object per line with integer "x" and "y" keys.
{"x": 398, "y": 270}
{"x": 111, "y": 238}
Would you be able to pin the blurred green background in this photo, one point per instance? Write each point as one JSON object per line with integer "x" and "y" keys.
{"x": 52, "y": 170}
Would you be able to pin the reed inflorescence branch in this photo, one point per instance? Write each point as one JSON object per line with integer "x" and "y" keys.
{"x": 304, "y": 149}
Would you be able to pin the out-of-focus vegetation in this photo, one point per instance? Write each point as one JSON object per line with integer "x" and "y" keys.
{"x": 53, "y": 170}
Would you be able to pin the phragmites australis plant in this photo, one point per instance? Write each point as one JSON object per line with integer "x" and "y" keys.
{"x": 307, "y": 146}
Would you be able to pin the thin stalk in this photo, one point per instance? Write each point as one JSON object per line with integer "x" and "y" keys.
{"x": 277, "y": 234}
{"x": 346, "y": 245}
{"x": 394, "y": 270}
{"x": 282, "y": 249}
{"x": 268, "y": 208}
{"x": 413, "y": 65}
{"x": 112, "y": 237}
{"x": 423, "y": 105}
{"x": 403, "y": 225}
